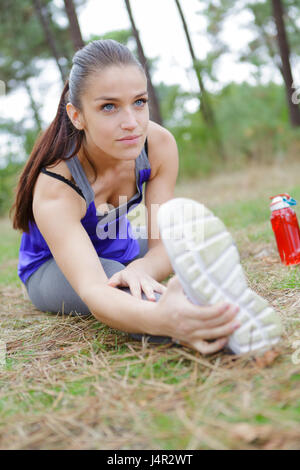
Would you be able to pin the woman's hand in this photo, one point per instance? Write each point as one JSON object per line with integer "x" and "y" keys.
{"x": 192, "y": 325}
{"x": 137, "y": 281}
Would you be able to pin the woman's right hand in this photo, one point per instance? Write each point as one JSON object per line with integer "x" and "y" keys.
{"x": 192, "y": 325}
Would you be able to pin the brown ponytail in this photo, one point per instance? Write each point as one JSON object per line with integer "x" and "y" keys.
{"x": 61, "y": 141}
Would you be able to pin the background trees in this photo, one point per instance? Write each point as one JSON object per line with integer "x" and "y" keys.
{"x": 275, "y": 25}
{"x": 154, "y": 107}
{"x": 256, "y": 121}
{"x": 74, "y": 27}
{"x": 285, "y": 65}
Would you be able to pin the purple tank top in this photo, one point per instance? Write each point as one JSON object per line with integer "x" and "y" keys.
{"x": 110, "y": 233}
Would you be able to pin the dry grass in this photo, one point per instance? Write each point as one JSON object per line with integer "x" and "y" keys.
{"x": 255, "y": 181}
{"x": 72, "y": 383}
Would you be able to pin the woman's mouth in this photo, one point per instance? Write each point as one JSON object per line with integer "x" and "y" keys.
{"x": 130, "y": 139}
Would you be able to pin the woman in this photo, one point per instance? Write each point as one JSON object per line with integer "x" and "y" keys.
{"x": 78, "y": 251}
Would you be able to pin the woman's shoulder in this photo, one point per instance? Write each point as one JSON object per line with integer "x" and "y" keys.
{"x": 161, "y": 147}
{"x": 61, "y": 168}
{"x": 158, "y": 135}
{"x": 48, "y": 188}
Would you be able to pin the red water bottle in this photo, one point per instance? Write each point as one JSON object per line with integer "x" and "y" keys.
{"x": 286, "y": 228}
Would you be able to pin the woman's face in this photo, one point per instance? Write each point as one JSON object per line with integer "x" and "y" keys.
{"x": 114, "y": 106}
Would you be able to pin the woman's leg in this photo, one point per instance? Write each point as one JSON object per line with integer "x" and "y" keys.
{"x": 50, "y": 291}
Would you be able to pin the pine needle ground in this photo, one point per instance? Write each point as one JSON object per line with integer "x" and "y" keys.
{"x": 73, "y": 383}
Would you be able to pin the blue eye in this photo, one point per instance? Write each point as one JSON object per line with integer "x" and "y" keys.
{"x": 105, "y": 106}
{"x": 110, "y": 106}
{"x": 142, "y": 100}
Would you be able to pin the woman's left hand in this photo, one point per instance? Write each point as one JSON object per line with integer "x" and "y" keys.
{"x": 137, "y": 281}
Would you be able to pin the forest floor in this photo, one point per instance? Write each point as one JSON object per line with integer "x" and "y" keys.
{"x": 73, "y": 383}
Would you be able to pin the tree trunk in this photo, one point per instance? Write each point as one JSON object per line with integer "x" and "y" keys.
{"x": 154, "y": 108}
{"x": 75, "y": 32}
{"x": 283, "y": 45}
{"x": 205, "y": 106}
{"x": 42, "y": 16}
{"x": 34, "y": 107}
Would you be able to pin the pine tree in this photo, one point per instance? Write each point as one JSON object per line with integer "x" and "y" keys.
{"x": 205, "y": 105}
{"x": 278, "y": 13}
{"x": 41, "y": 11}
{"x": 263, "y": 49}
{"x": 154, "y": 108}
{"x": 75, "y": 32}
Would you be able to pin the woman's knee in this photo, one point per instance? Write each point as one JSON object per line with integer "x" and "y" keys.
{"x": 50, "y": 291}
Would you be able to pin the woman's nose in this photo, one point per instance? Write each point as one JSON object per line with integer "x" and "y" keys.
{"x": 129, "y": 120}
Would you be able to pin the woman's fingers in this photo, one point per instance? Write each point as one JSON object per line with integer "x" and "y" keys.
{"x": 158, "y": 287}
{"x": 211, "y": 312}
{"x": 208, "y": 348}
{"x": 229, "y": 314}
{"x": 148, "y": 290}
{"x": 136, "y": 284}
{"x": 207, "y": 312}
{"x": 203, "y": 346}
{"x": 196, "y": 324}
{"x": 135, "y": 288}
{"x": 150, "y": 286}
{"x": 114, "y": 280}
{"x": 220, "y": 331}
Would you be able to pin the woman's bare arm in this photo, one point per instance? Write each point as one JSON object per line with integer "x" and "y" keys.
{"x": 58, "y": 210}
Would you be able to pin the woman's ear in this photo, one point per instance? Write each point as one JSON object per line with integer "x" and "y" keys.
{"x": 75, "y": 116}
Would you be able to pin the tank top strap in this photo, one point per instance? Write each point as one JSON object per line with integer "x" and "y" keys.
{"x": 142, "y": 162}
{"x": 80, "y": 178}
{"x": 75, "y": 167}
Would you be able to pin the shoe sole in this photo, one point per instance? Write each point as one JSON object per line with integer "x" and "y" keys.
{"x": 207, "y": 263}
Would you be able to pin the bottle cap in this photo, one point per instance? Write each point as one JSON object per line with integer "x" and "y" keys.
{"x": 282, "y": 201}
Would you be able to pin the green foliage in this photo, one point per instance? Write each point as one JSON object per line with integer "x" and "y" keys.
{"x": 253, "y": 121}
{"x": 172, "y": 100}
{"x": 8, "y": 181}
{"x": 262, "y": 49}
{"x": 19, "y": 132}
{"x": 30, "y": 136}
{"x": 122, "y": 35}
{"x": 23, "y": 42}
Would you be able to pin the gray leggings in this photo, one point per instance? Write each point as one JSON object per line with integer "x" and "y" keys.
{"x": 50, "y": 291}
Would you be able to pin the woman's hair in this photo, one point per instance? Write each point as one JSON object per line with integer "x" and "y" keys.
{"x": 61, "y": 140}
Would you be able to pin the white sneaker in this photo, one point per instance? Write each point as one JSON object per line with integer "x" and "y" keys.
{"x": 207, "y": 263}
